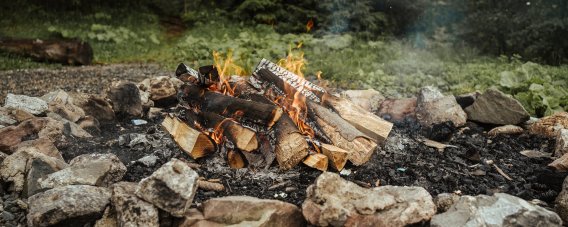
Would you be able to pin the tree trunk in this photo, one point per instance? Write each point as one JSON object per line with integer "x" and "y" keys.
{"x": 65, "y": 51}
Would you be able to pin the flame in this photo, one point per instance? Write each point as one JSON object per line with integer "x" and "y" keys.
{"x": 294, "y": 62}
{"x": 309, "y": 25}
{"x": 298, "y": 112}
{"x": 217, "y": 133}
{"x": 226, "y": 67}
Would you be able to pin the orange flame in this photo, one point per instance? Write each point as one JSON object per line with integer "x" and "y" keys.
{"x": 226, "y": 67}
{"x": 294, "y": 62}
{"x": 309, "y": 25}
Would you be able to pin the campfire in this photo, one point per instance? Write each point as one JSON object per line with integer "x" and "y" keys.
{"x": 272, "y": 114}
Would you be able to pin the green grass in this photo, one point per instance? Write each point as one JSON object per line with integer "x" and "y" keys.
{"x": 393, "y": 67}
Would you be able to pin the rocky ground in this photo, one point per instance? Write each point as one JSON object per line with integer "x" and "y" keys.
{"x": 70, "y": 158}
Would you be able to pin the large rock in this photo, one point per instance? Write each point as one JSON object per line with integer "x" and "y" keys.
{"x": 131, "y": 210}
{"x": 550, "y": 125}
{"x": 95, "y": 106}
{"x": 54, "y": 130}
{"x": 560, "y": 164}
{"x": 73, "y": 205}
{"x": 561, "y": 143}
{"x": 31, "y": 105}
{"x": 88, "y": 169}
{"x": 494, "y": 107}
{"x": 6, "y": 117}
{"x": 367, "y": 99}
{"x": 498, "y": 210}
{"x": 15, "y": 167}
{"x": 161, "y": 88}
{"x": 125, "y": 99}
{"x": 61, "y": 103}
{"x": 561, "y": 203}
{"x": 40, "y": 145}
{"x": 398, "y": 109}
{"x": 337, "y": 202}
{"x": 13, "y": 135}
{"x": 250, "y": 211}
{"x": 38, "y": 170}
{"x": 70, "y": 128}
{"x": 444, "y": 201}
{"x": 432, "y": 108}
{"x": 171, "y": 187}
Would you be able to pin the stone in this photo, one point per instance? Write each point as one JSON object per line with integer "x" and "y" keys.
{"x": 171, "y": 187}
{"x": 494, "y": 107}
{"x": 61, "y": 103}
{"x": 125, "y": 99}
{"x": 6, "y": 117}
{"x": 561, "y": 202}
{"x": 397, "y": 109}
{"x": 2, "y": 157}
{"x": 95, "y": 106}
{"x": 550, "y": 125}
{"x": 131, "y": 210}
{"x": 74, "y": 130}
{"x": 53, "y": 130}
{"x": 444, "y": 201}
{"x": 561, "y": 143}
{"x": 155, "y": 112}
{"x": 38, "y": 170}
{"x": 72, "y": 205}
{"x": 250, "y": 211}
{"x": 367, "y": 99}
{"x": 560, "y": 164}
{"x": 468, "y": 99}
{"x": 506, "y": 130}
{"x": 145, "y": 99}
{"x": 15, "y": 167}
{"x": 497, "y": 210}
{"x": 41, "y": 145}
{"x": 334, "y": 201}
{"x": 13, "y": 135}
{"x": 90, "y": 124}
{"x": 88, "y": 169}
{"x": 33, "y": 105}
{"x": 108, "y": 219}
{"x": 432, "y": 108}
{"x": 148, "y": 160}
{"x": 161, "y": 88}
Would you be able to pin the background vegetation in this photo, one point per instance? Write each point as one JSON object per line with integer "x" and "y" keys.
{"x": 395, "y": 47}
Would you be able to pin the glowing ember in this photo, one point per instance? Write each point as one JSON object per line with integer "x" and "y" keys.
{"x": 309, "y": 25}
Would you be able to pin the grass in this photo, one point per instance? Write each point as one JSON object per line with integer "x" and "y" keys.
{"x": 393, "y": 67}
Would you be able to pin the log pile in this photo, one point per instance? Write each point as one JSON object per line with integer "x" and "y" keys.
{"x": 275, "y": 114}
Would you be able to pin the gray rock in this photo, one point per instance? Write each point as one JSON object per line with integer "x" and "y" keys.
{"x": 95, "y": 106}
{"x": 561, "y": 203}
{"x": 68, "y": 206}
{"x": 494, "y": 107}
{"x": 334, "y": 201}
{"x": 125, "y": 98}
{"x": 7, "y": 216}
{"x": 444, "y": 201}
{"x": 40, "y": 145}
{"x": 171, "y": 187}
{"x": 62, "y": 104}
{"x": 38, "y": 170}
{"x": 432, "y": 107}
{"x": 33, "y": 105}
{"x": 15, "y": 167}
{"x": 108, "y": 219}
{"x": 2, "y": 157}
{"x": 6, "y": 117}
{"x": 561, "y": 143}
{"x": 250, "y": 211}
{"x": 497, "y": 210}
{"x": 149, "y": 160}
{"x": 131, "y": 210}
{"x": 88, "y": 169}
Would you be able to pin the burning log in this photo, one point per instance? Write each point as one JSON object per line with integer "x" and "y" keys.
{"x": 337, "y": 156}
{"x": 289, "y": 84}
{"x": 191, "y": 141}
{"x": 229, "y": 106}
{"x": 342, "y": 134}
{"x": 317, "y": 161}
{"x": 66, "y": 51}
{"x": 291, "y": 145}
{"x": 243, "y": 138}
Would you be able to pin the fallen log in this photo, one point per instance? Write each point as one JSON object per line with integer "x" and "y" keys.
{"x": 342, "y": 134}
{"x": 288, "y": 84}
{"x": 243, "y": 138}
{"x": 232, "y": 107}
{"x": 191, "y": 141}
{"x": 291, "y": 146}
{"x": 317, "y": 161}
{"x": 65, "y": 51}
{"x": 337, "y": 156}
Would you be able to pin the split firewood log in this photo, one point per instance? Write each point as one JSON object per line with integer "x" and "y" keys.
{"x": 235, "y": 159}
{"x": 337, "y": 156}
{"x": 229, "y": 106}
{"x": 191, "y": 141}
{"x": 317, "y": 161}
{"x": 291, "y": 146}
